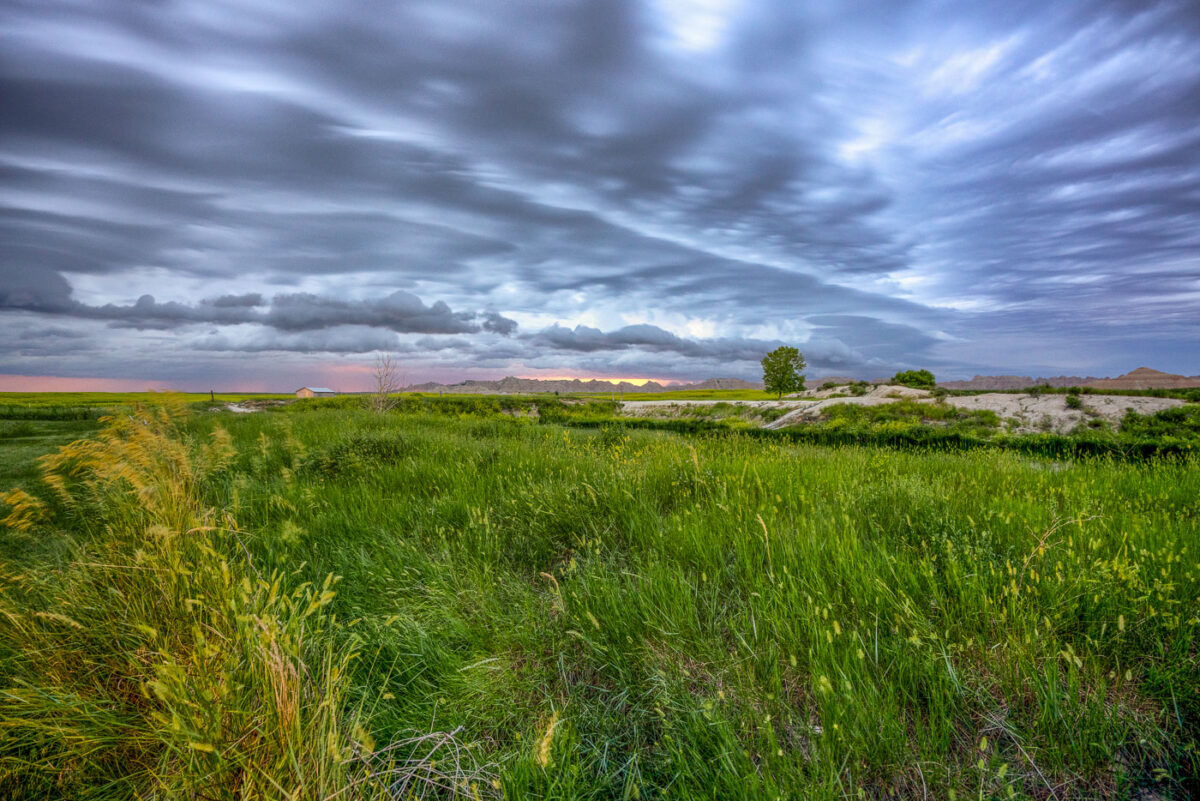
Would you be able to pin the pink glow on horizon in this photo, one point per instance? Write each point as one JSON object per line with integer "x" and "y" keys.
{"x": 56, "y": 383}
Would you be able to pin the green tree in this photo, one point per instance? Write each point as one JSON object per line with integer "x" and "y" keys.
{"x": 781, "y": 370}
{"x": 917, "y": 379}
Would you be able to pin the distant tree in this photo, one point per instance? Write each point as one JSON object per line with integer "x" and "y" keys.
{"x": 917, "y": 379}
{"x": 387, "y": 383}
{"x": 781, "y": 370}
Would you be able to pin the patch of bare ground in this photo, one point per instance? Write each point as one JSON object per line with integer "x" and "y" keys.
{"x": 248, "y": 406}
{"x": 879, "y": 395}
{"x": 1021, "y": 413}
{"x": 1030, "y": 413}
{"x": 681, "y": 408}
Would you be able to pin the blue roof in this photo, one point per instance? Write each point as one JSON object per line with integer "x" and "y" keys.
{"x": 317, "y": 389}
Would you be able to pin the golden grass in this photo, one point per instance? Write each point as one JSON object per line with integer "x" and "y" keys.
{"x": 204, "y": 679}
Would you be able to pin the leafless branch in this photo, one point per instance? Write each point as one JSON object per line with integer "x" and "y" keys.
{"x": 387, "y": 383}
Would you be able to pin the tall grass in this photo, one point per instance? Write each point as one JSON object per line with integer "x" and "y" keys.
{"x": 594, "y": 614}
{"x": 159, "y": 659}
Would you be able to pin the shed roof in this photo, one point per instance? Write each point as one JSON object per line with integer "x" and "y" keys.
{"x": 317, "y": 389}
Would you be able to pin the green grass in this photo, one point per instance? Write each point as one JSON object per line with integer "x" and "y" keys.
{"x": 111, "y": 399}
{"x": 1181, "y": 424}
{"x": 22, "y": 442}
{"x": 904, "y": 415}
{"x": 93, "y": 405}
{"x": 595, "y": 613}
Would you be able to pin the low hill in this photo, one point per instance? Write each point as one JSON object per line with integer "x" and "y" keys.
{"x": 512, "y": 385}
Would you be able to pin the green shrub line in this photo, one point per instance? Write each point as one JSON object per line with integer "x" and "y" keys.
{"x": 1190, "y": 394}
{"x": 547, "y": 408}
{"x": 15, "y": 412}
{"x": 926, "y": 438}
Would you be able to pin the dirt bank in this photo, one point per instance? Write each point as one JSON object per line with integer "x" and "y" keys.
{"x": 1019, "y": 412}
{"x": 1051, "y": 413}
{"x": 641, "y": 408}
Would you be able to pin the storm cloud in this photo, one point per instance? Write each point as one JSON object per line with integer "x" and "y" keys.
{"x": 656, "y": 188}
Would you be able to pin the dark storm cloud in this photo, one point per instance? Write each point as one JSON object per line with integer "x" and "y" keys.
{"x": 339, "y": 339}
{"x": 246, "y": 301}
{"x": 498, "y": 324}
{"x": 399, "y": 311}
{"x": 883, "y": 184}
{"x": 33, "y": 289}
{"x": 649, "y": 338}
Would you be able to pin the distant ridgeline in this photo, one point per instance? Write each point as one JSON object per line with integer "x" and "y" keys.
{"x": 1141, "y": 378}
{"x": 528, "y": 386}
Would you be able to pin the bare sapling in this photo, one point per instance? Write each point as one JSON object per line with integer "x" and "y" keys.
{"x": 388, "y": 383}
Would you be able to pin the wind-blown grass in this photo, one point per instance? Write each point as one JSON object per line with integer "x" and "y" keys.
{"x": 598, "y": 613}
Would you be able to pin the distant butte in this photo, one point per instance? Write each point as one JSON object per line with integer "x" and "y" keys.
{"x": 1141, "y": 378}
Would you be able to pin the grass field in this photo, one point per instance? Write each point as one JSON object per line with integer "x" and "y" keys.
{"x": 77, "y": 406}
{"x": 111, "y": 399}
{"x": 329, "y": 603}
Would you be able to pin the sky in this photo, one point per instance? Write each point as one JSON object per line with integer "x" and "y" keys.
{"x": 263, "y": 194}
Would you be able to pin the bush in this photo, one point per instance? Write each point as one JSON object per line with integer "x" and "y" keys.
{"x": 1074, "y": 402}
{"x": 17, "y": 429}
{"x": 1179, "y": 424}
{"x": 361, "y": 450}
{"x": 917, "y": 379}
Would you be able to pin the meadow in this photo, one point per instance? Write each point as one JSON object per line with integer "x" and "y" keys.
{"x": 93, "y": 405}
{"x": 458, "y": 599}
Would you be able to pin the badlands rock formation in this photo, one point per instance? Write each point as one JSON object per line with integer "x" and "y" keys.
{"x": 1141, "y": 378}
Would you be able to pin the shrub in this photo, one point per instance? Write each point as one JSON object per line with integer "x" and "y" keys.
{"x": 17, "y": 429}
{"x": 917, "y": 379}
{"x": 361, "y": 450}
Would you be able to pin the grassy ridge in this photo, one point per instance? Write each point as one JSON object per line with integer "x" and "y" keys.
{"x": 599, "y": 613}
